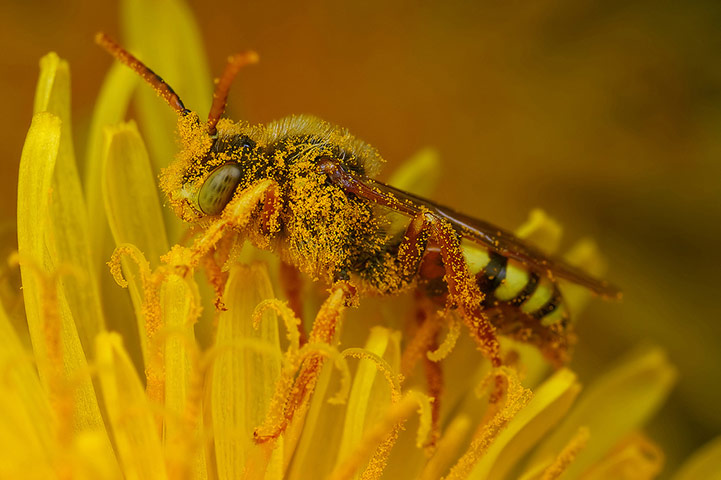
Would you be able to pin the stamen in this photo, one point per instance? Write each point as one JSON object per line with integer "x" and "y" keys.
{"x": 418, "y": 346}
{"x": 377, "y": 464}
{"x": 449, "y": 342}
{"x": 434, "y": 379}
{"x": 285, "y": 313}
{"x": 635, "y": 456}
{"x": 217, "y": 279}
{"x": 133, "y": 253}
{"x": 291, "y": 396}
{"x": 381, "y": 434}
{"x": 447, "y": 449}
{"x": 567, "y": 455}
{"x": 340, "y": 363}
{"x": 152, "y": 316}
{"x": 393, "y": 380}
{"x": 517, "y": 397}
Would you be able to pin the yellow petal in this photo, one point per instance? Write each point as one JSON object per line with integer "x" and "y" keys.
{"x": 369, "y": 396}
{"x": 705, "y": 464}
{"x": 47, "y": 311}
{"x": 243, "y": 380}
{"x": 52, "y": 92}
{"x": 616, "y": 404}
{"x": 130, "y": 194}
{"x": 85, "y": 412}
{"x": 548, "y": 406}
{"x": 69, "y": 241}
{"x": 585, "y": 255}
{"x": 133, "y": 210}
{"x": 184, "y": 446}
{"x": 91, "y": 460}
{"x": 541, "y": 230}
{"x": 34, "y": 192}
{"x": 110, "y": 108}
{"x": 633, "y": 458}
{"x": 26, "y": 425}
{"x": 320, "y": 425}
{"x": 179, "y": 307}
{"x": 154, "y": 30}
{"x": 419, "y": 174}
{"x": 131, "y": 418}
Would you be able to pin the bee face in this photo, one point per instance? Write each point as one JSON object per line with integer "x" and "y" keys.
{"x": 211, "y": 177}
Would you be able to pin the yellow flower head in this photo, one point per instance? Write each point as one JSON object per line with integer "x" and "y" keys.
{"x": 213, "y": 376}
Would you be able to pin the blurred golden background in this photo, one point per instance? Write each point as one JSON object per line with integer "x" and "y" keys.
{"x": 605, "y": 114}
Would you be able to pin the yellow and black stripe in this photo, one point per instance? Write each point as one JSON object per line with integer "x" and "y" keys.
{"x": 508, "y": 283}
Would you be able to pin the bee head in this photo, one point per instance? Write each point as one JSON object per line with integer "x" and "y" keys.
{"x": 209, "y": 170}
{"x": 216, "y": 155}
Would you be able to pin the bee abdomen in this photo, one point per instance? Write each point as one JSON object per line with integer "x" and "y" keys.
{"x": 508, "y": 283}
{"x": 493, "y": 274}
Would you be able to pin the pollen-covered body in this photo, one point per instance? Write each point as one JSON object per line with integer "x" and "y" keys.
{"x": 332, "y": 234}
{"x": 304, "y": 189}
{"x": 319, "y": 228}
{"x": 323, "y": 231}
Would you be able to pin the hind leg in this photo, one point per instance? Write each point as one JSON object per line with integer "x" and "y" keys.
{"x": 427, "y": 230}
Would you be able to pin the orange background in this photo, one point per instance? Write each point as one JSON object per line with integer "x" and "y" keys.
{"x": 605, "y": 114}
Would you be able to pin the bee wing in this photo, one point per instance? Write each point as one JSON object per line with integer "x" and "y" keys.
{"x": 496, "y": 239}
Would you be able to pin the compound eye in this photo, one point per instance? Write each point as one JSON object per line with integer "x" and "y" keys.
{"x": 218, "y": 189}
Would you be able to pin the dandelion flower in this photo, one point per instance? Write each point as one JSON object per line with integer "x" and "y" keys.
{"x": 174, "y": 387}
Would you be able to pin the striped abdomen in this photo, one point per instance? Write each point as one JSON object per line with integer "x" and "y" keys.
{"x": 505, "y": 283}
{"x": 508, "y": 283}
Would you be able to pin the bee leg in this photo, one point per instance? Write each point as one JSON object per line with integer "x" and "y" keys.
{"x": 426, "y": 228}
{"x": 236, "y": 216}
{"x": 292, "y": 285}
{"x": 434, "y": 380}
{"x": 422, "y": 333}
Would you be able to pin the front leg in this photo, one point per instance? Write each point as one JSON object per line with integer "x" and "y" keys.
{"x": 236, "y": 216}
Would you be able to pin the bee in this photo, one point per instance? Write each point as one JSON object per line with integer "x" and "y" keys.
{"x": 308, "y": 192}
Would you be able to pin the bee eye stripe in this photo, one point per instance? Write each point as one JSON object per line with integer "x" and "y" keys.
{"x": 218, "y": 189}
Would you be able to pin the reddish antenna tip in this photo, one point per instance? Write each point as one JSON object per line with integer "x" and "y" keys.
{"x": 100, "y": 38}
{"x": 244, "y": 58}
{"x": 220, "y": 96}
{"x": 155, "y": 81}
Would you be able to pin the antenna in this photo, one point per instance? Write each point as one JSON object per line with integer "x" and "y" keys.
{"x": 220, "y": 96}
{"x": 155, "y": 81}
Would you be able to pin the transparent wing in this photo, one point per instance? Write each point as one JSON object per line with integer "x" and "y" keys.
{"x": 496, "y": 239}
